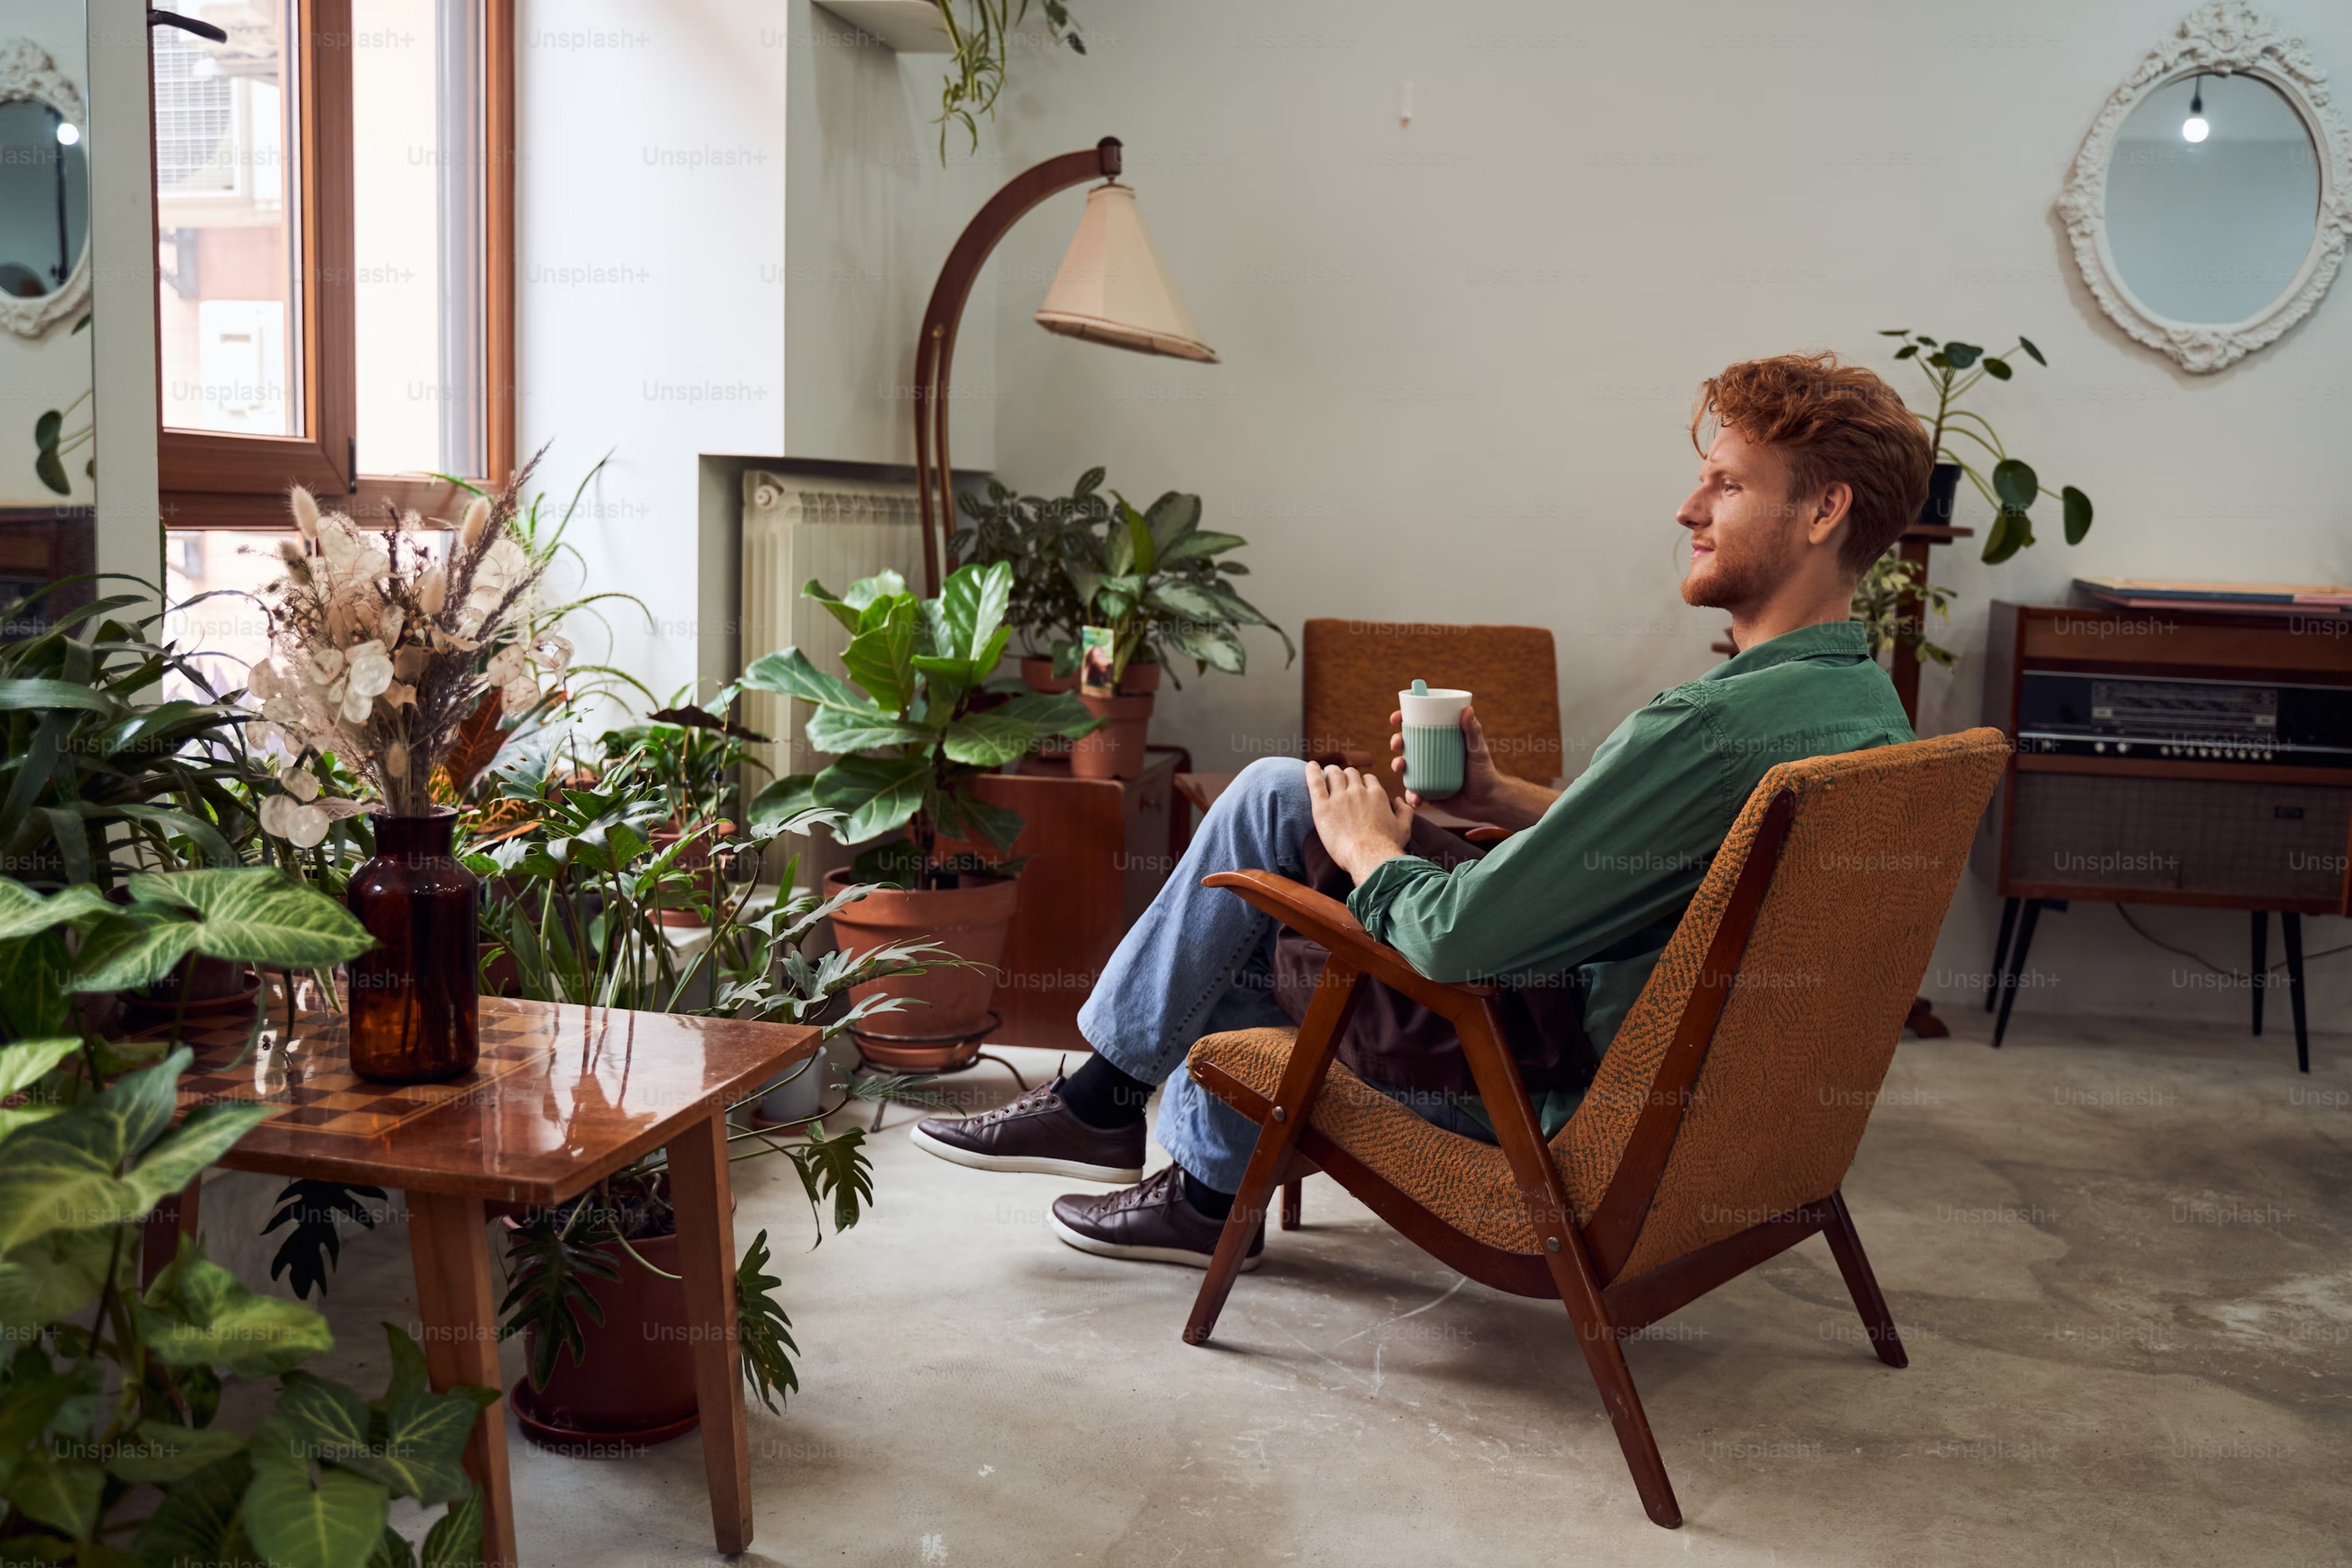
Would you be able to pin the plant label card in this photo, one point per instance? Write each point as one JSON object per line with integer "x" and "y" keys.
{"x": 1095, "y": 677}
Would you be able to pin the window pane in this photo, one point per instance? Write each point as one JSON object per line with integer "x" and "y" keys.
{"x": 226, "y": 213}
{"x": 417, "y": 116}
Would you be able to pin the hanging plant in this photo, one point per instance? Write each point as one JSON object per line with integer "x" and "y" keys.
{"x": 980, "y": 33}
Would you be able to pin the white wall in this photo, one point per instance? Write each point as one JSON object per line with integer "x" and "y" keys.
{"x": 1459, "y": 357}
{"x": 730, "y": 212}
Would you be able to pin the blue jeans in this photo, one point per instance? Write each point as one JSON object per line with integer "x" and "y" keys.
{"x": 1200, "y": 961}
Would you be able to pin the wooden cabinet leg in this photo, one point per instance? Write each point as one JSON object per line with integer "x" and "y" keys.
{"x": 706, "y": 1245}
{"x": 458, "y": 1306}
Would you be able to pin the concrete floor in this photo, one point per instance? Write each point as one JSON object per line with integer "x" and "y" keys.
{"x": 2120, "y": 1253}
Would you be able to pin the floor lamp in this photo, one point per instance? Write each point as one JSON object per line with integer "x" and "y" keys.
{"x": 1112, "y": 288}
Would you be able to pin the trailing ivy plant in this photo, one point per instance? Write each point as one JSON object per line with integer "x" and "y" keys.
{"x": 111, "y": 1449}
{"x": 2011, "y": 486}
{"x": 979, "y": 36}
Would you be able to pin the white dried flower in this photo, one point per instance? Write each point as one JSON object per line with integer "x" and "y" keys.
{"x": 398, "y": 694}
{"x": 394, "y": 618}
{"x": 395, "y": 760}
{"x": 356, "y": 707}
{"x": 478, "y": 518}
{"x": 432, "y": 591}
{"x": 519, "y": 695}
{"x": 371, "y": 669}
{"x": 306, "y": 511}
{"x": 300, "y": 824}
{"x": 325, "y": 665}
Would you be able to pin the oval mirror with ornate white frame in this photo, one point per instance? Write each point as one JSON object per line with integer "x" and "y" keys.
{"x": 45, "y": 175}
{"x": 2211, "y": 201}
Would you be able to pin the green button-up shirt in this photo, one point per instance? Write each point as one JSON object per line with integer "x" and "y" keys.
{"x": 1600, "y": 882}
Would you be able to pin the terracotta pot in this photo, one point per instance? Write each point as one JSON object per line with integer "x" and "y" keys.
{"x": 1138, "y": 679}
{"x": 969, "y": 921}
{"x": 1039, "y": 673}
{"x": 697, "y": 857}
{"x": 635, "y": 1383}
{"x": 198, "y": 988}
{"x": 1115, "y": 750}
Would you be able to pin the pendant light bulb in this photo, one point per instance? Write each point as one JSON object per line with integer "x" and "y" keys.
{"x": 2194, "y": 128}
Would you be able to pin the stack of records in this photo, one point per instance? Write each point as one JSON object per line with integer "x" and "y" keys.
{"x": 2229, "y": 598}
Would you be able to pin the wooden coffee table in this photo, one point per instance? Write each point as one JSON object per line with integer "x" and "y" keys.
{"x": 562, "y": 1097}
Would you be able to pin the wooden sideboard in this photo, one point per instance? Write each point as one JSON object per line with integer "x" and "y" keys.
{"x": 2157, "y": 776}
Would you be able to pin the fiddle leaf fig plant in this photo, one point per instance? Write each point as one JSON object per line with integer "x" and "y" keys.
{"x": 915, "y": 725}
{"x": 2009, "y": 485}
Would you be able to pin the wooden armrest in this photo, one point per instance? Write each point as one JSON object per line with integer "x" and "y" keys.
{"x": 1487, "y": 834}
{"x": 1326, "y": 919}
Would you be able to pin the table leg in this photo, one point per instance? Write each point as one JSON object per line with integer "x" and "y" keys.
{"x": 706, "y": 1246}
{"x": 456, "y": 1299}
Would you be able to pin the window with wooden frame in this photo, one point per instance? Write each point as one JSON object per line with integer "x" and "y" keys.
{"x": 334, "y": 200}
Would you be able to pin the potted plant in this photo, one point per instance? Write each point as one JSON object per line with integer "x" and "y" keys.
{"x": 980, "y": 37}
{"x": 691, "y": 753}
{"x": 123, "y": 1442}
{"x": 1891, "y": 596}
{"x": 913, "y": 728}
{"x": 1155, "y": 578}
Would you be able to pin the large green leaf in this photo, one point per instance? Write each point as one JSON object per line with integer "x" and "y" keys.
{"x": 837, "y": 733}
{"x": 455, "y": 1539}
{"x": 53, "y": 1277}
{"x": 61, "y": 1173}
{"x": 1172, "y": 517}
{"x": 876, "y": 794}
{"x": 335, "y": 1522}
{"x": 1189, "y": 600}
{"x": 1214, "y": 646}
{"x": 329, "y": 1417}
{"x": 1193, "y": 546}
{"x": 2015, "y": 484}
{"x": 22, "y": 1064}
{"x": 2078, "y": 514}
{"x": 58, "y": 1492}
{"x": 789, "y": 673}
{"x": 1055, "y": 713}
{"x": 197, "y": 1314}
{"x": 972, "y": 603}
{"x": 129, "y": 949}
{"x": 259, "y": 915}
{"x": 196, "y": 1523}
{"x": 842, "y": 611}
{"x": 881, "y": 658}
{"x": 180, "y": 825}
{"x": 159, "y": 1452}
{"x": 23, "y": 912}
{"x": 1960, "y": 356}
{"x": 998, "y": 825}
{"x": 988, "y": 740}
{"x": 43, "y": 693}
{"x": 422, "y": 1444}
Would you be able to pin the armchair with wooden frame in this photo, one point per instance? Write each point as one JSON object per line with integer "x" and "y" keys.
{"x": 1726, "y": 1112}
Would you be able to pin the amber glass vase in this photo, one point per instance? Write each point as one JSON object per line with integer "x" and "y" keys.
{"x": 413, "y": 994}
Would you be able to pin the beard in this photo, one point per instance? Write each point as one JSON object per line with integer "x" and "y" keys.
{"x": 1742, "y": 569}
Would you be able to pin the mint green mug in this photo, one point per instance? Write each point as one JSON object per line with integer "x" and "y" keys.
{"x": 1433, "y": 753}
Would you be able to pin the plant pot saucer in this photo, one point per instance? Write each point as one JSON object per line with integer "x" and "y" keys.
{"x": 572, "y": 1440}
{"x": 925, "y": 1053}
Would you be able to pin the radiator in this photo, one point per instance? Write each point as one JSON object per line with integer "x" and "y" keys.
{"x": 796, "y": 528}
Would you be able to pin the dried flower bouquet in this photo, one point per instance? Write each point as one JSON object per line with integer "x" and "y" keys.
{"x": 379, "y": 651}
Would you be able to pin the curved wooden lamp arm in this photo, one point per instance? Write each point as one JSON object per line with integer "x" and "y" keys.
{"x": 1326, "y": 919}
{"x": 935, "y": 347}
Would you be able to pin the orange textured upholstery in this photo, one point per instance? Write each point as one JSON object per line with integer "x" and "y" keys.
{"x": 1353, "y": 671}
{"x": 1873, "y": 852}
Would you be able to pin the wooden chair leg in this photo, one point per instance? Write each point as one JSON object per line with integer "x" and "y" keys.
{"x": 1845, "y": 1246}
{"x": 1605, "y": 1357}
{"x": 1293, "y": 1192}
{"x": 1277, "y": 1139}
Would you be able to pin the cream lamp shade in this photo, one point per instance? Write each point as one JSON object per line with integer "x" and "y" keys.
{"x": 1114, "y": 288}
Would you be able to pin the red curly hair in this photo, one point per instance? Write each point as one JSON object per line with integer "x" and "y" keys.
{"x": 1832, "y": 422}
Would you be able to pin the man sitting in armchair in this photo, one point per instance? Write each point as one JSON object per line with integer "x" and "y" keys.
{"x": 1815, "y": 470}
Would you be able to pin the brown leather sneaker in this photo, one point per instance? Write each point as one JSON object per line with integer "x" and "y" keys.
{"x": 1147, "y": 1222}
{"x": 1036, "y": 1133}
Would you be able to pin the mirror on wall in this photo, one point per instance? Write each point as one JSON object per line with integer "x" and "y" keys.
{"x": 48, "y": 435}
{"x": 2208, "y": 205}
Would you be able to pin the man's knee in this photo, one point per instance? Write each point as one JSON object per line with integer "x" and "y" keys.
{"x": 1272, "y": 779}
